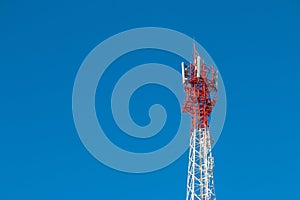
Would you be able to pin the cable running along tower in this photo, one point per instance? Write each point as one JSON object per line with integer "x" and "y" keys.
{"x": 201, "y": 88}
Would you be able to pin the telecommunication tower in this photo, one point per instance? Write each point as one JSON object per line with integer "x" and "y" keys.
{"x": 201, "y": 88}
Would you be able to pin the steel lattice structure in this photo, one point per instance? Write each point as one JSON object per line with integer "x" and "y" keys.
{"x": 201, "y": 87}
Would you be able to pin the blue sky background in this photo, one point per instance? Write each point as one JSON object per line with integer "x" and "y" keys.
{"x": 42, "y": 44}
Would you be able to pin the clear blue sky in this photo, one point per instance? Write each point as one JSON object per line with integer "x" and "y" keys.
{"x": 42, "y": 44}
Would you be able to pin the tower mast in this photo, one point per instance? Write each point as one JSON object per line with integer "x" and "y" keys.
{"x": 201, "y": 88}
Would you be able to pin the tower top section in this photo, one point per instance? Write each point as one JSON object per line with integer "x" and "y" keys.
{"x": 200, "y": 83}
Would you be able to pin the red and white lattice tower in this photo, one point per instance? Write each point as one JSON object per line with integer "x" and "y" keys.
{"x": 201, "y": 88}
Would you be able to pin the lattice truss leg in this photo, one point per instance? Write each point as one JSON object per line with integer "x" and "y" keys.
{"x": 200, "y": 182}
